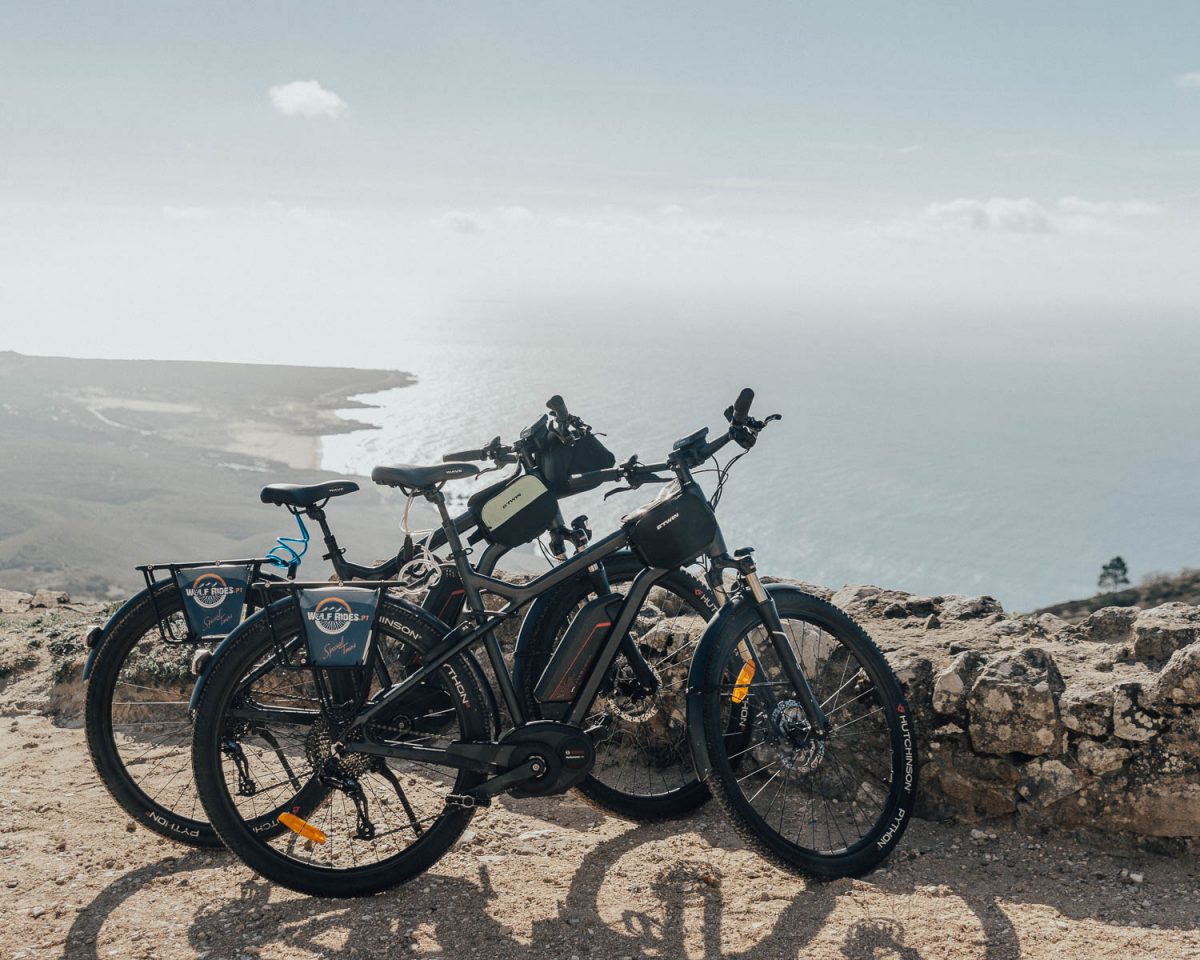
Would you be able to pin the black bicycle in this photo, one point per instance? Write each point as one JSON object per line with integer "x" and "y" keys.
{"x": 794, "y": 717}
{"x": 141, "y": 664}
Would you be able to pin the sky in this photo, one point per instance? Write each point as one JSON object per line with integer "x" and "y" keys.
{"x": 289, "y": 182}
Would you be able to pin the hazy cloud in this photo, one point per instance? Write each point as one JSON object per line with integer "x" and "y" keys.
{"x": 187, "y": 213}
{"x": 843, "y": 147}
{"x": 307, "y": 98}
{"x": 1038, "y": 153}
{"x": 515, "y": 214}
{"x": 998, "y": 214}
{"x": 1189, "y": 80}
{"x": 467, "y": 224}
{"x": 1026, "y": 215}
{"x": 1108, "y": 208}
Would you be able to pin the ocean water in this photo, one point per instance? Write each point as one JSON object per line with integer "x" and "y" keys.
{"x": 1004, "y": 455}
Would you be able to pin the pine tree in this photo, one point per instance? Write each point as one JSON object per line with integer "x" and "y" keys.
{"x": 1113, "y": 576}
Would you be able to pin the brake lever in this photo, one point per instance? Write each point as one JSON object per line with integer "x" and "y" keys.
{"x": 746, "y": 434}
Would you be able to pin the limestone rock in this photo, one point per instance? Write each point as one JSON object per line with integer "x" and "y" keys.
{"x": 14, "y": 601}
{"x": 1159, "y": 632}
{"x": 1012, "y": 705}
{"x": 1179, "y": 681}
{"x": 1110, "y": 624}
{"x": 969, "y": 608}
{"x": 915, "y": 674}
{"x": 912, "y": 606}
{"x": 971, "y": 785}
{"x": 49, "y": 598}
{"x": 950, "y": 686}
{"x": 1044, "y": 782}
{"x": 1012, "y": 628}
{"x": 1087, "y": 711}
{"x": 853, "y": 595}
{"x": 1164, "y": 806}
{"x": 1051, "y": 624}
{"x": 1100, "y": 759}
{"x": 1130, "y": 721}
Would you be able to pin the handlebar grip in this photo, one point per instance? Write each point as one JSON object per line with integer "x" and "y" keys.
{"x": 557, "y": 407}
{"x": 741, "y": 406}
{"x": 464, "y": 455}
{"x": 582, "y": 482}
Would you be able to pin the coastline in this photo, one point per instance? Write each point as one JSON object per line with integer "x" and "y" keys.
{"x": 111, "y": 463}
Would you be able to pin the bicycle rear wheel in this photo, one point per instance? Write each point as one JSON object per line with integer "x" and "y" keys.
{"x": 825, "y": 806}
{"x": 265, "y": 741}
{"x": 139, "y": 733}
{"x": 644, "y": 769}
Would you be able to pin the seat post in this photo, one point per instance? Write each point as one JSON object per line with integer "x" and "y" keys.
{"x": 454, "y": 541}
{"x": 334, "y": 556}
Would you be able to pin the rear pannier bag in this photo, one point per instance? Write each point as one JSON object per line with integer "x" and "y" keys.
{"x": 672, "y": 529}
{"x": 560, "y": 461}
{"x": 516, "y": 511}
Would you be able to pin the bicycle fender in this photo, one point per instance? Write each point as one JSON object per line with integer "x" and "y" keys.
{"x": 695, "y": 695}
{"x": 92, "y": 640}
{"x": 206, "y": 665}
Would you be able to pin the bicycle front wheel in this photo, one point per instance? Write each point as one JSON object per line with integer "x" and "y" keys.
{"x": 824, "y": 805}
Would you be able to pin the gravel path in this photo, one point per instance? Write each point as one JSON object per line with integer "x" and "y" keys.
{"x": 552, "y": 878}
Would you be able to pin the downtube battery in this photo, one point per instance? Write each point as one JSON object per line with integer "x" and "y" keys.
{"x": 577, "y": 652}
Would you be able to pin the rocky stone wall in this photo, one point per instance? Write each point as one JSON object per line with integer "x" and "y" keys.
{"x": 1090, "y": 725}
{"x": 1093, "y": 725}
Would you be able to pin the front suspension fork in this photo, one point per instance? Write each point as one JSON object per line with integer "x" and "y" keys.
{"x": 792, "y": 669}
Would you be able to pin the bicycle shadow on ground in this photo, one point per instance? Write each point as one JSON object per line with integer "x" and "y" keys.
{"x": 84, "y": 932}
{"x": 704, "y": 896}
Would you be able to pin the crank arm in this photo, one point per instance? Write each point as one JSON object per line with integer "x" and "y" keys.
{"x": 529, "y": 770}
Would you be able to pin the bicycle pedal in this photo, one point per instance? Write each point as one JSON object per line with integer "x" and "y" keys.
{"x": 467, "y": 801}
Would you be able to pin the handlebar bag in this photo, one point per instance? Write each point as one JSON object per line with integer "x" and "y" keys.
{"x": 672, "y": 529}
{"x": 560, "y": 460}
{"x": 515, "y": 511}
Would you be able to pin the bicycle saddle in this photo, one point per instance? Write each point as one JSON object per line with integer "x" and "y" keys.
{"x": 419, "y": 478}
{"x": 299, "y": 495}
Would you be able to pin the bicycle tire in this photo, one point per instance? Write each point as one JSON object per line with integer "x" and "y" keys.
{"x": 725, "y": 775}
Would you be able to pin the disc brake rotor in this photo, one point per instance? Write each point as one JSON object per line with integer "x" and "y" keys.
{"x": 800, "y": 751}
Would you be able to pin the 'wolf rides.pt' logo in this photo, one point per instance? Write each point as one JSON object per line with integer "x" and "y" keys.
{"x": 333, "y": 616}
{"x": 210, "y": 590}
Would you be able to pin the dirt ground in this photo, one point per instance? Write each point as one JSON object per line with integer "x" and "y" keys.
{"x": 552, "y": 878}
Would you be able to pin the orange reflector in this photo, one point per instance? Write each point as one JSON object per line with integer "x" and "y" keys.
{"x": 742, "y": 688}
{"x": 302, "y": 827}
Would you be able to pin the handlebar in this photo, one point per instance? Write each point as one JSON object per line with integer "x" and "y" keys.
{"x": 558, "y": 407}
{"x": 494, "y": 451}
{"x": 688, "y": 453}
{"x": 463, "y": 455}
{"x": 741, "y": 406}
